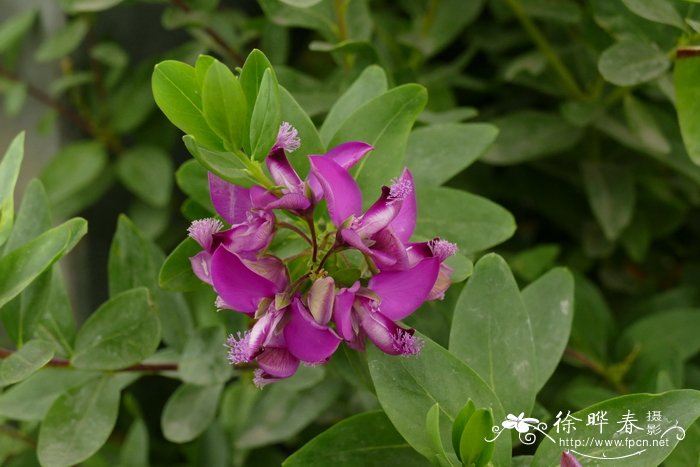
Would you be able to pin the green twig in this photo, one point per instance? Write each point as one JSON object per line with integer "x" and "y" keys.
{"x": 546, "y": 48}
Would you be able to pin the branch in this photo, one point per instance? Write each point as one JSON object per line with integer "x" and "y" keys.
{"x": 68, "y": 112}
{"x": 230, "y": 51}
{"x": 546, "y": 48}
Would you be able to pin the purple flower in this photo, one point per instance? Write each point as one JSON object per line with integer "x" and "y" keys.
{"x": 244, "y": 284}
{"x": 301, "y": 316}
{"x": 568, "y": 460}
{"x": 383, "y": 229}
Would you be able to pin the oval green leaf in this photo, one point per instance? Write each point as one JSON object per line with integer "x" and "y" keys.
{"x": 120, "y": 333}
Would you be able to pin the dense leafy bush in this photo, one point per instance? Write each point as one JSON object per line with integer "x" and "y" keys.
{"x": 577, "y": 121}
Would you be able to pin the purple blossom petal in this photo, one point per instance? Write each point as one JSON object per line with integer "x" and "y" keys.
{"x": 394, "y": 256}
{"x": 345, "y": 323}
{"x": 379, "y": 215}
{"x": 201, "y": 266}
{"x": 405, "y": 222}
{"x": 339, "y": 188}
{"x": 277, "y": 362}
{"x": 260, "y": 197}
{"x": 442, "y": 283}
{"x": 291, "y": 201}
{"x": 272, "y": 269}
{"x": 402, "y": 292}
{"x": 345, "y": 155}
{"x": 306, "y": 339}
{"x": 568, "y": 460}
{"x": 249, "y": 238}
{"x": 230, "y": 201}
{"x": 237, "y": 284}
{"x": 282, "y": 171}
{"x": 262, "y": 379}
{"x": 321, "y": 299}
{"x": 387, "y": 335}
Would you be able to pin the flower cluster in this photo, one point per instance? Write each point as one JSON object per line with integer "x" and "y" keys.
{"x": 355, "y": 277}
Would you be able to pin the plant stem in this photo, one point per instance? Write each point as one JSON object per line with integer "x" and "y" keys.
{"x": 68, "y": 112}
{"x": 546, "y": 48}
{"x": 215, "y": 36}
{"x": 294, "y": 228}
{"x": 312, "y": 229}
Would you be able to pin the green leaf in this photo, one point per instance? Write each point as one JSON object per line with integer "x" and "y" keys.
{"x": 75, "y": 168}
{"x": 43, "y": 307}
{"x": 189, "y": 411}
{"x": 632, "y": 62}
{"x": 224, "y": 165}
{"x": 432, "y": 425}
{"x": 79, "y": 422}
{"x": 134, "y": 452}
{"x": 529, "y": 135}
{"x": 176, "y": 93}
{"x": 225, "y": 107}
{"x": 308, "y": 135}
{"x": 15, "y": 27}
{"x": 82, "y": 6}
{"x": 9, "y": 171}
{"x": 28, "y": 359}
{"x": 367, "y": 439}
{"x": 266, "y": 116}
{"x": 371, "y": 83}
{"x": 480, "y": 225}
{"x": 460, "y": 423}
{"x": 30, "y": 399}
{"x": 15, "y": 97}
{"x": 63, "y": 42}
{"x": 437, "y": 153}
{"x": 286, "y": 407}
{"x": 491, "y": 332}
{"x": 565, "y": 11}
{"x": 439, "y": 25}
{"x": 677, "y": 407}
{"x": 407, "y": 387}
{"x": 19, "y": 268}
{"x": 176, "y": 273}
{"x": 550, "y": 305}
{"x": 660, "y": 11}
{"x": 122, "y": 332}
{"x": 135, "y": 262}
{"x": 203, "y": 360}
{"x": 611, "y": 194}
{"x": 532, "y": 263}
{"x": 686, "y": 72}
{"x": 473, "y": 445}
{"x": 251, "y": 76}
{"x": 593, "y": 322}
{"x": 384, "y": 122}
{"x": 192, "y": 179}
{"x": 642, "y": 121}
{"x": 148, "y": 173}
{"x": 301, "y": 3}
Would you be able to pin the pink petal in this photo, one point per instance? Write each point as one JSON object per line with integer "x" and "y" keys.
{"x": 321, "y": 298}
{"x": 345, "y": 155}
{"x": 387, "y": 335}
{"x": 278, "y": 362}
{"x": 201, "y": 266}
{"x": 405, "y": 222}
{"x": 306, "y": 339}
{"x": 339, "y": 188}
{"x": 282, "y": 171}
{"x": 402, "y": 292}
{"x": 342, "y": 314}
{"x": 237, "y": 284}
{"x": 230, "y": 201}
